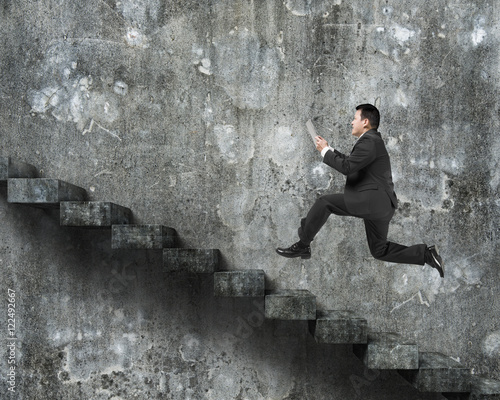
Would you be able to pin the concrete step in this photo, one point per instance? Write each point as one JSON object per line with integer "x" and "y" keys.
{"x": 439, "y": 373}
{"x": 142, "y": 237}
{"x": 247, "y": 283}
{"x": 290, "y": 304}
{"x": 387, "y": 351}
{"x": 93, "y": 214}
{"x": 12, "y": 168}
{"x": 199, "y": 261}
{"x": 42, "y": 192}
{"x": 338, "y": 327}
{"x": 483, "y": 388}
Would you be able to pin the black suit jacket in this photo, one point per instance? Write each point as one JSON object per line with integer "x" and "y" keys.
{"x": 369, "y": 189}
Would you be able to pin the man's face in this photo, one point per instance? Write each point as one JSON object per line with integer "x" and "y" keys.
{"x": 359, "y": 126}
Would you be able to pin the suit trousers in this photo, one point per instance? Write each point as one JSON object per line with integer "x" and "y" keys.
{"x": 376, "y": 231}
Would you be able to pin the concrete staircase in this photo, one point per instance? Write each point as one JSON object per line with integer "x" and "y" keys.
{"x": 428, "y": 372}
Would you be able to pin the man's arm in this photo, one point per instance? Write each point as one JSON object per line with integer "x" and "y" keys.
{"x": 363, "y": 154}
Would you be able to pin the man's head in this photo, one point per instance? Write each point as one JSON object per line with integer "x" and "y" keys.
{"x": 367, "y": 117}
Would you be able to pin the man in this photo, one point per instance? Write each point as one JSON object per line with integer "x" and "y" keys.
{"x": 368, "y": 194}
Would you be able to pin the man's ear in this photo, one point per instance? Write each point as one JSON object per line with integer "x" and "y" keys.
{"x": 366, "y": 123}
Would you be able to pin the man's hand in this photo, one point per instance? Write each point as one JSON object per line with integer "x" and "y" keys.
{"x": 320, "y": 143}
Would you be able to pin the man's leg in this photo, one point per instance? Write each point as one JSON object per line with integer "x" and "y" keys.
{"x": 312, "y": 223}
{"x": 318, "y": 215}
{"x": 376, "y": 234}
{"x": 382, "y": 249}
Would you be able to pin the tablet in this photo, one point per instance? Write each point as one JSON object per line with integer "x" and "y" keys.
{"x": 312, "y": 131}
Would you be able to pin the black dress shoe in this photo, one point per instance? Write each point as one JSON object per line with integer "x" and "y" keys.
{"x": 295, "y": 250}
{"x": 434, "y": 259}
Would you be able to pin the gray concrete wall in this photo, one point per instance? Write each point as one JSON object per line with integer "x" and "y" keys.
{"x": 192, "y": 115}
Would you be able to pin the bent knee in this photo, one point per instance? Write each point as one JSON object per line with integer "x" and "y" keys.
{"x": 378, "y": 252}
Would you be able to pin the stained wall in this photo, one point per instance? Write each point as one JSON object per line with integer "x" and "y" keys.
{"x": 192, "y": 114}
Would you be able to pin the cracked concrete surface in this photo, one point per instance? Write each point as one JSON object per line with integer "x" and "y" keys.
{"x": 192, "y": 114}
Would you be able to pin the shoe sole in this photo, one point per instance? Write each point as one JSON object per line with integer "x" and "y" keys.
{"x": 439, "y": 262}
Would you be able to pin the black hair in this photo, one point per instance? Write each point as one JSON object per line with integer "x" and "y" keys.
{"x": 371, "y": 113}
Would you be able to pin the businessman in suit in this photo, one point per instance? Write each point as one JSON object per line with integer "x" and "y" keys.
{"x": 368, "y": 194}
